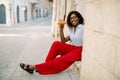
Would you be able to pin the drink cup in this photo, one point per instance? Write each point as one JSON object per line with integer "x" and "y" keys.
{"x": 61, "y": 22}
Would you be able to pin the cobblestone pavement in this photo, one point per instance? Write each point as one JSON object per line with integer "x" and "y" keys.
{"x": 28, "y": 44}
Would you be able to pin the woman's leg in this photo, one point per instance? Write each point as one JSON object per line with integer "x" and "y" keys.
{"x": 58, "y": 48}
{"x": 60, "y": 63}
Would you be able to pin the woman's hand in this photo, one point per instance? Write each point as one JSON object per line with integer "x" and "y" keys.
{"x": 61, "y": 24}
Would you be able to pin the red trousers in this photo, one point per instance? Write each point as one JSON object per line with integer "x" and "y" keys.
{"x": 54, "y": 63}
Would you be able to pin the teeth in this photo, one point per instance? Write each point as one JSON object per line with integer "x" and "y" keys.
{"x": 73, "y": 22}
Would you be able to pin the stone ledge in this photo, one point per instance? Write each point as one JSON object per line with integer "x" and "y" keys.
{"x": 76, "y": 68}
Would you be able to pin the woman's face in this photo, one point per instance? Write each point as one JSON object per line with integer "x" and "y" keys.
{"x": 74, "y": 20}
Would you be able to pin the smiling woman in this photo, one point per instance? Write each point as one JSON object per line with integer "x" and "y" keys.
{"x": 68, "y": 53}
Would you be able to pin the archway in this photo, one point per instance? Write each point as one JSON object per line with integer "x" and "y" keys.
{"x": 2, "y": 14}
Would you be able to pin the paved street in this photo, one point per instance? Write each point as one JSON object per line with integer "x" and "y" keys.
{"x": 27, "y": 43}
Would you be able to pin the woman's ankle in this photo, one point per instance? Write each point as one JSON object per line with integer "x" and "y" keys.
{"x": 32, "y": 67}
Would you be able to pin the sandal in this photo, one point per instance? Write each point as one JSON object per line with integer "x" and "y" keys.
{"x": 22, "y": 65}
{"x": 36, "y": 70}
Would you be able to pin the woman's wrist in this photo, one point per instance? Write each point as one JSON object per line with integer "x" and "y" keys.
{"x": 61, "y": 26}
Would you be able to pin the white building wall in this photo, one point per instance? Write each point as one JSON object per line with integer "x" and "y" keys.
{"x": 27, "y": 7}
{"x": 101, "y": 52}
{"x": 29, "y": 11}
{"x": 58, "y": 14}
{"x": 22, "y": 18}
{"x": 31, "y": 7}
{"x": 7, "y": 14}
{"x": 80, "y": 6}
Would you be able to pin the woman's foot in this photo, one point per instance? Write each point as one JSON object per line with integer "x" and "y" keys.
{"x": 28, "y": 68}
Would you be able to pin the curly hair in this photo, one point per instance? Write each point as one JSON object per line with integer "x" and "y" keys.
{"x": 81, "y": 20}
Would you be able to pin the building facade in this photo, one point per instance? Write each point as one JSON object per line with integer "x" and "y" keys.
{"x": 17, "y": 11}
{"x": 101, "y": 48}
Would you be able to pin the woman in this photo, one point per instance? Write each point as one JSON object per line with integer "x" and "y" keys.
{"x": 69, "y": 53}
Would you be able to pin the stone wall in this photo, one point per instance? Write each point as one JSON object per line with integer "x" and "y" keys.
{"x": 101, "y": 54}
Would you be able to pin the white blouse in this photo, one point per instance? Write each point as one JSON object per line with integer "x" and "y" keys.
{"x": 76, "y": 37}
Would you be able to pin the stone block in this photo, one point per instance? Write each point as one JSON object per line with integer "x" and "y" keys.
{"x": 91, "y": 69}
{"x": 100, "y": 47}
{"x": 117, "y": 60}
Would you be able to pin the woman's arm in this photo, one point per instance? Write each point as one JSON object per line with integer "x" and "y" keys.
{"x": 62, "y": 37}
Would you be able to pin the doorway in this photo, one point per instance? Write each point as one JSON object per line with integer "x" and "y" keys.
{"x": 2, "y": 14}
{"x": 18, "y": 14}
